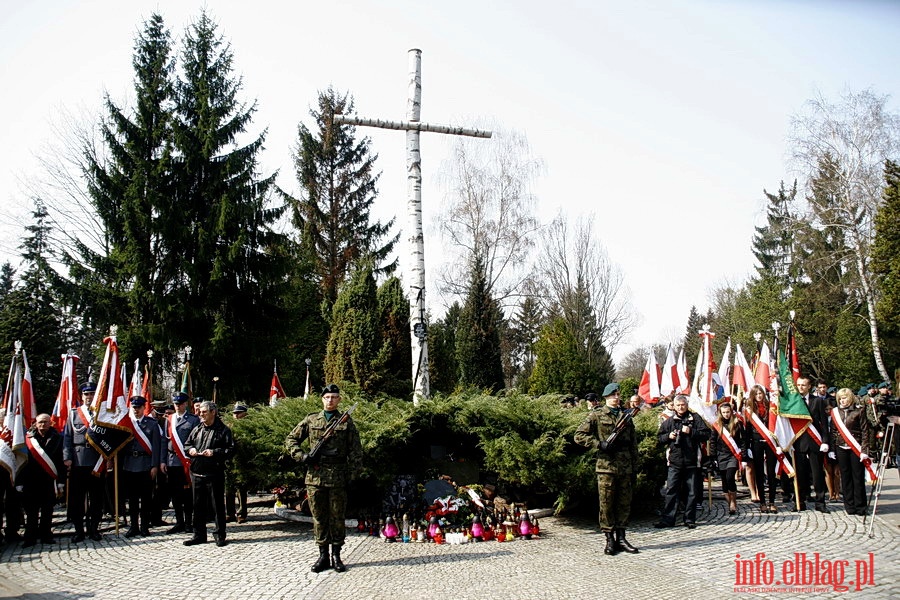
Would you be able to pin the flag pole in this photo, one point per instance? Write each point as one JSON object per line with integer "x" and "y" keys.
{"x": 796, "y": 483}
{"x": 116, "y": 488}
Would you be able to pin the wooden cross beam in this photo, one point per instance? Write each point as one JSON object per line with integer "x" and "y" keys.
{"x": 418, "y": 326}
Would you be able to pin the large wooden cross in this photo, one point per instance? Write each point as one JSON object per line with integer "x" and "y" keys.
{"x": 418, "y": 326}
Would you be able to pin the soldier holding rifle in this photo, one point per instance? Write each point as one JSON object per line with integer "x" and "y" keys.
{"x": 609, "y": 430}
{"x": 333, "y": 460}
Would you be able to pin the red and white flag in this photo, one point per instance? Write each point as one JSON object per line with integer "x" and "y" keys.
{"x": 276, "y": 392}
{"x": 703, "y": 389}
{"x": 725, "y": 371}
{"x": 741, "y": 375}
{"x": 684, "y": 378}
{"x": 762, "y": 374}
{"x": 68, "y": 398}
{"x": 668, "y": 382}
{"x": 13, "y": 453}
{"x": 29, "y": 406}
{"x": 649, "y": 387}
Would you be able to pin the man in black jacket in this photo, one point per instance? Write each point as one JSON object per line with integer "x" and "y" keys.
{"x": 683, "y": 433}
{"x": 810, "y": 452}
{"x": 208, "y": 446}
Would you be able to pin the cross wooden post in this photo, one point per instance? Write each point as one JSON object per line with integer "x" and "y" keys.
{"x": 418, "y": 326}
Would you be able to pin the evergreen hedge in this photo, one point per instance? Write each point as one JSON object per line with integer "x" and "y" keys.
{"x": 522, "y": 444}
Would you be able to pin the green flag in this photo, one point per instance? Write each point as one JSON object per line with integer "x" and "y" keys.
{"x": 790, "y": 402}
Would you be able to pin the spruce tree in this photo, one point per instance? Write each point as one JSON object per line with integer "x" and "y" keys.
{"x": 524, "y": 330}
{"x": 773, "y": 243}
{"x": 478, "y": 335}
{"x": 337, "y": 175}
{"x": 232, "y": 265}
{"x": 125, "y": 279}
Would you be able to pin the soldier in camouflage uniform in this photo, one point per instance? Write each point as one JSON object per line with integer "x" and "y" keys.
{"x": 327, "y": 474}
{"x": 616, "y": 467}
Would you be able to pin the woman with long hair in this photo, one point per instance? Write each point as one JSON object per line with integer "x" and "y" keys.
{"x": 756, "y": 449}
{"x": 725, "y": 448}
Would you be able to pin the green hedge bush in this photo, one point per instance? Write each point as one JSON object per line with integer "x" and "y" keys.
{"x": 520, "y": 443}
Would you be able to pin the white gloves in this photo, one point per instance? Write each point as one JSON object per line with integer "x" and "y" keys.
{"x": 863, "y": 457}
{"x": 749, "y": 453}
{"x": 832, "y": 456}
{"x": 823, "y": 448}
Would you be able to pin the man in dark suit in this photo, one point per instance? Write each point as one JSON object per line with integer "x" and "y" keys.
{"x": 810, "y": 453}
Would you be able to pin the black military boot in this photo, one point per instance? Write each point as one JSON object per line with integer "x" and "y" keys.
{"x": 323, "y": 562}
{"x": 622, "y": 543}
{"x": 336, "y": 559}
{"x": 610, "y": 544}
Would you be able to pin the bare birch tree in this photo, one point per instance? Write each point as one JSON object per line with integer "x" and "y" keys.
{"x": 574, "y": 267}
{"x": 849, "y": 139}
{"x": 488, "y": 213}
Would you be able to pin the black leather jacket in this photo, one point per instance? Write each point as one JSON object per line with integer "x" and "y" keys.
{"x": 218, "y": 438}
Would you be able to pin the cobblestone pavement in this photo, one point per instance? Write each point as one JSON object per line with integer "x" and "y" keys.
{"x": 268, "y": 557}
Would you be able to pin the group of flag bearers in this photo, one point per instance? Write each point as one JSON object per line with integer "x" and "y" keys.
{"x": 771, "y": 427}
{"x": 100, "y": 438}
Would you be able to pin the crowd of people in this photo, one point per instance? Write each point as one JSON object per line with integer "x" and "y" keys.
{"x": 828, "y": 459}
{"x": 176, "y": 458}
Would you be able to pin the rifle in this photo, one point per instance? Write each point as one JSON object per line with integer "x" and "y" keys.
{"x": 329, "y": 431}
{"x": 620, "y": 426}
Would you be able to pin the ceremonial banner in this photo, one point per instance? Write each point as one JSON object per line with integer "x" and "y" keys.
{"x": 110, "y": 429}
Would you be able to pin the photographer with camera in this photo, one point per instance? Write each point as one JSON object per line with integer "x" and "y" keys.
{"x": 683, "y": 434}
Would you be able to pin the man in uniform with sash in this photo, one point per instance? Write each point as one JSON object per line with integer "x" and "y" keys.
{"x": 178, "y": 428}
{"x": 140, "y": 466}
{"x": 86, "y": 486}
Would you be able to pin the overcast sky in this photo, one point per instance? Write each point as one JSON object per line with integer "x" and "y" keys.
{"x": 664, "y": 119}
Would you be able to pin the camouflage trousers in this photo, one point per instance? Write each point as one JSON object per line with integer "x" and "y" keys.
{"x": 328, "y": 505}
{"x": 615, "y": 500}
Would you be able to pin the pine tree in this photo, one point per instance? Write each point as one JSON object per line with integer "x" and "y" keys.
{"x": 232, "y": 265}
{"x": 478, "y": 336}
{"x": 336, "y": 173}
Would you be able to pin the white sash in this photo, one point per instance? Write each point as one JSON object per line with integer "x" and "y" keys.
{"x": 770, "y": 440}
{"x": 40, "y": 455}
{"x": 851, "y": 441}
